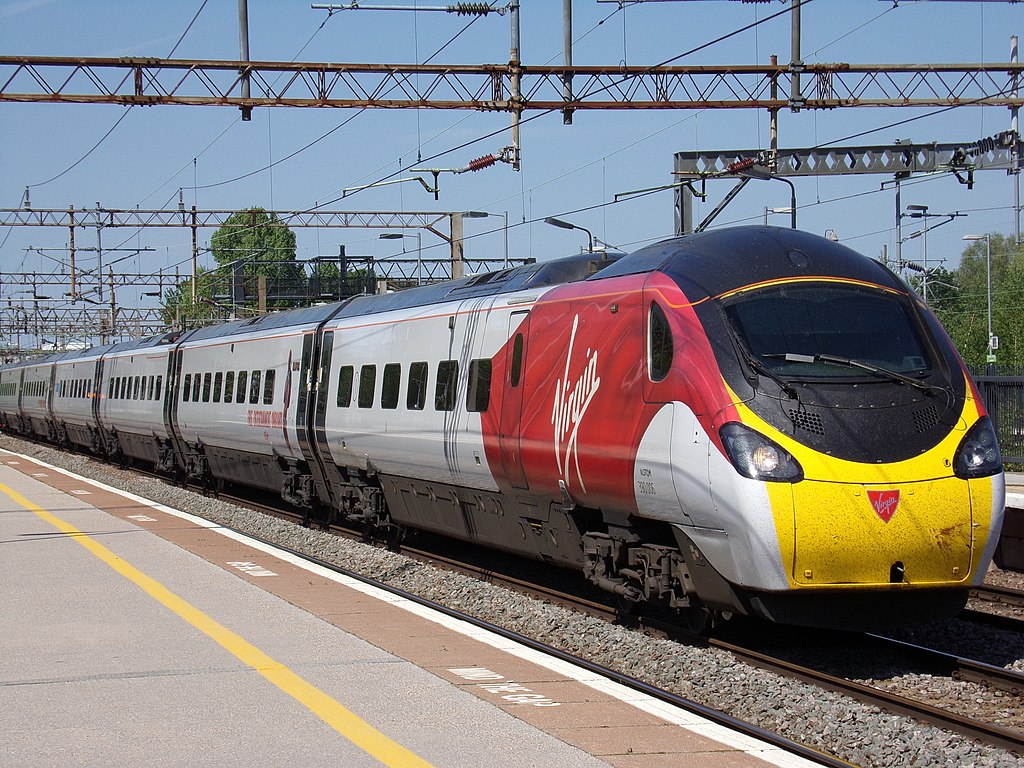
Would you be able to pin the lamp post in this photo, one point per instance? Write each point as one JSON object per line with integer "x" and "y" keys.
{"x": 990, "y": 355}
{"x": 566, "y": 225}
{"x": 921, "y": 212}
{"x": 419, "y": 249}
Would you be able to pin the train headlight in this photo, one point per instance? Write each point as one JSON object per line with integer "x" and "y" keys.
{"x": 755, "y": 456}
{"x": 978, "y": 453}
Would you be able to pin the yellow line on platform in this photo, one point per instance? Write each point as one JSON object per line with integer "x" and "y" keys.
{"x": 345, "y": 722}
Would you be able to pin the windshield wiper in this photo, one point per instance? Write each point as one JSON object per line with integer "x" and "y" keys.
{"x": 793, "y": 357}
{"x": 763, "y": 369}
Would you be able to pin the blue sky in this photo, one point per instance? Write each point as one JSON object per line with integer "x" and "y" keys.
{"x": 573, "y": 172}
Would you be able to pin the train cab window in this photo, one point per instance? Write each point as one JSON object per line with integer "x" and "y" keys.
{"x": 254, "y": 387}
{"x": 660, "y": 344}
{"x": 444, "y": 391}
{"x": 243, "y": 377}
{"x": 218, "y": 386}
{"x": 268, "y": 387}
{"x": 367, "y": 385}
{"x": 197, "y": 384}
{"x": 392, "y": 386}
{"x": 416, "y": 395}
{"x": 207, "y": 386}
{"x": 517, "y": 360}
{"x": 345, "y": 386}
{"x": 159, "y": 386}
{"x": 229, "y": 386}
{"x": 186, "y": 390}
{"x": 478, "y": 393}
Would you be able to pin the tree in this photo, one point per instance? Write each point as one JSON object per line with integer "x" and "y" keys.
{"x": 966, "y": 316}
{"x": 253, "y": 243}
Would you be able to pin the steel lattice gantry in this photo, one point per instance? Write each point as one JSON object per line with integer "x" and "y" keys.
{"x": 503, "y": 87}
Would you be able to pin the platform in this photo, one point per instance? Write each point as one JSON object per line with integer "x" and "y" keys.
{"x": 135, "y": 634}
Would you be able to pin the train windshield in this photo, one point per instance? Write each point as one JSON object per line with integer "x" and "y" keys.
{"x": 828, "y": 331}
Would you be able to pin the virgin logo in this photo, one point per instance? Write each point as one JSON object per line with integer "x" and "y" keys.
{"x": 572, "y": 399}
{"x": 884, "y": 503}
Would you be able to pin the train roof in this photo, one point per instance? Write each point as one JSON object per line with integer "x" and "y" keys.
{"x": 565, "y": 270}
{"x": 716, "y": 262}
{"x": 288, "y": 319}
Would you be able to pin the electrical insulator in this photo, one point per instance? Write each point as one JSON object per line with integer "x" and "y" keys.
{"x": 470, "y": 9}
{"x": 482, "y": 162}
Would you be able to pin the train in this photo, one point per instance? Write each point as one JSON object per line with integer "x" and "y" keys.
{"x": 750, "y": 421}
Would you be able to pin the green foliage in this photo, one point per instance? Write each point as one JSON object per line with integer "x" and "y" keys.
{"x": 960, "y": 300}
{"x": 250, "y": 244}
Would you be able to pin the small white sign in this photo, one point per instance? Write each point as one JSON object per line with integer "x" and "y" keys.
{"x": 142, "y": 518}
{"x": 80, "y": 492}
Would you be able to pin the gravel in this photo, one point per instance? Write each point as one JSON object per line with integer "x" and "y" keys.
{"x": 827, "y": 721}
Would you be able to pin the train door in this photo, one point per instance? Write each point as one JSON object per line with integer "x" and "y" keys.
{"x": 314, "y": 384}
{"x": 509, "y": 432}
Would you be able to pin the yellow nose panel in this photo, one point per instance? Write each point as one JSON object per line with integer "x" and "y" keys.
{"x": 914, "y": 533}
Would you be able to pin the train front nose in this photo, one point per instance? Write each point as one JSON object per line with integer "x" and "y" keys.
{"x": 880, "y": 534}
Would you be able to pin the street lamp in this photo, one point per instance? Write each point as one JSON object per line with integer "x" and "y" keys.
{"x": 419, "y": 249}
{"x": 921, "y": 212}
{"x": 990, "y": 358}
{"x": 566, "y": 225}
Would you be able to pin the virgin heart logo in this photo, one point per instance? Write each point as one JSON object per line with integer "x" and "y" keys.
{"x": 884, "y": 503}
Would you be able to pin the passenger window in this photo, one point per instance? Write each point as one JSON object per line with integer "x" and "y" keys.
{"x": 229, "y": 386}
{"x": 187, "y": 389}
{"x": 207, "y": 386}
{"x": 110, "y": 389}
{"x": 138, "y": 388}
{"x": 159, "y": 386}
{"x": 345, "y": 386}
{"x": 444, "y": 391}
{"x": 392, "y": 386}
{"x": 478, "y": 393}
{"x": 197, "y": 383}
{"x": 416, "y": 395}
{"x": 517, "y": 360}
{"x": 218, "y": 386}
{"x": 661, "y": 344}
{"x": 268, "y": 387}
{"x": 254, "y": 387}
{"x": 243, "y": 377}
{"x": 367, "y": 384}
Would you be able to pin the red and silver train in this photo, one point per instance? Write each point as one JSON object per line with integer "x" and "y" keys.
{"x": 755, "y": 421}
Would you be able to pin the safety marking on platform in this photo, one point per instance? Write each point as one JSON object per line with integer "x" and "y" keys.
{"x": 39, "y": 474}
{"x": 251, "y": 569}
{"x": 80, "y": 492}
{"x": 510, "y": 691}
{"x": 141, "y": 518}
{"x": 341, "y": 719}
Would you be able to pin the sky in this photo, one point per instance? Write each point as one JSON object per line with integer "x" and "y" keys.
{"x": 211, "y": 159}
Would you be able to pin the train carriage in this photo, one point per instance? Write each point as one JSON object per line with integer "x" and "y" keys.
{"x": 34, "y": 401}
{"x": 76, "y": 398}
{"x": 239, "y": 402}
{"x": 10, "y": 389}
{"x": 133, "y": 415}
